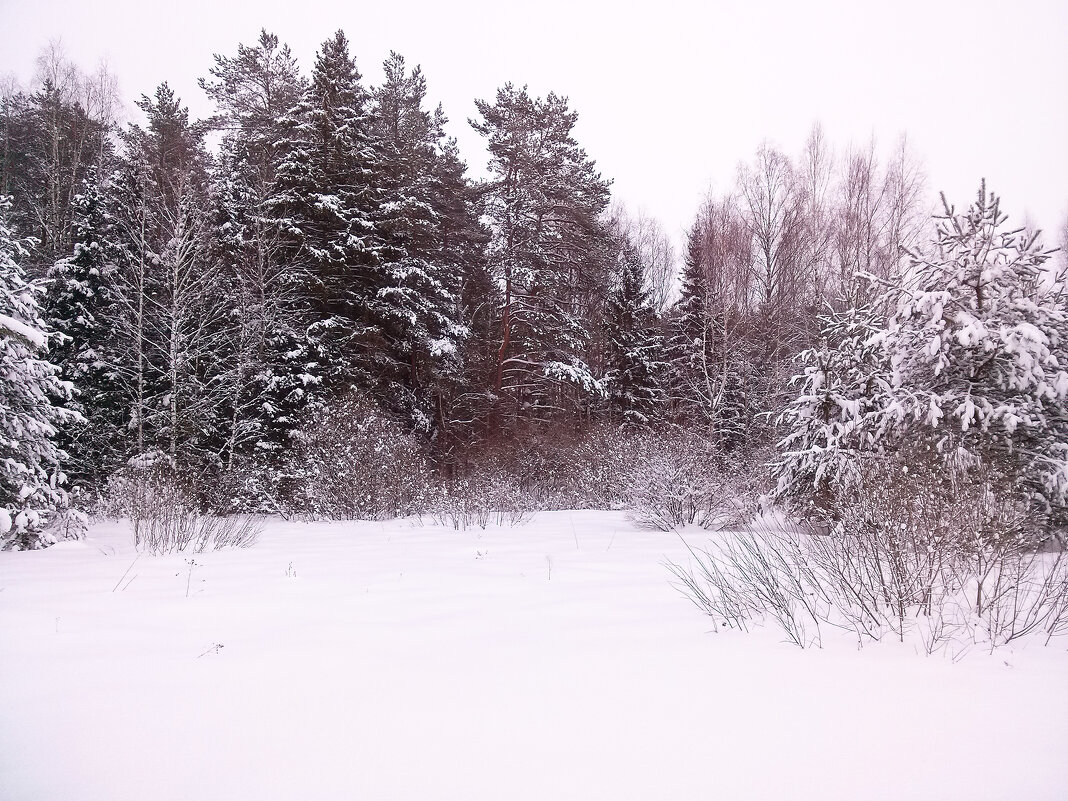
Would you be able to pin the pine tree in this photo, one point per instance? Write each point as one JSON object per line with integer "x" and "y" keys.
{"x": 635, "y": 347}
{"x": 252, "y": 92}
{"x": 255, "y": 94}
{"x": 978, "y": 346}
{"x": 30, "y": 476}
{"x": 549, "y": 250}
{"x": 839, "y": 413}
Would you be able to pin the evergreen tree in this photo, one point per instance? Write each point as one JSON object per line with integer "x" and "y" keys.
{"x": 971, "y": 360}
{"x": 252, "y": 92}
{"x": 255, "y": 94}
{"x": 79, "y": 309}
{"x": 30, "y": 476}
{"x": 549, "y": 251}
{"x": 838, "y": 415}
{"x": 978, "y": 343}
{"x": 692, "y": 354}
{"x": 427, "y": 222}
{"x": 325, "y": 205}
{"x": 635, "y": 359}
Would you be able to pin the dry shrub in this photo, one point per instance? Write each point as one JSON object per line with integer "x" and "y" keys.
{"x": 666, "y": 479}
{"x": 351, "y": 462}
{"x": 249, "y": 485}
{"x": 481, "y": 497}
{"x": 166, "y": 516}
{"x": 679, "y": 478}
{"x": 551, "y": 469}
{"x": 950, "y": 558}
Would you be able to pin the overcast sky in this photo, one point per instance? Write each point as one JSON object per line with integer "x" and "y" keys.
{"x": 671, "y": 95}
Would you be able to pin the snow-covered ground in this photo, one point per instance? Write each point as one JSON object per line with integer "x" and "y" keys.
{"x": 548, "y": 661}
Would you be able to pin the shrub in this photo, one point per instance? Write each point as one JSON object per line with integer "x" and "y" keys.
{"x": 351, "y": 462}
{"x": 951, "y": 559}
{"x": 578, "y": 469}
{"x": 482, "y": 496}
{"x": 166, "y": 516}
{"x": 679, "y": 478}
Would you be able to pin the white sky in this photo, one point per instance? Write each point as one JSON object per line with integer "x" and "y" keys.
{"x": 671, "y": 95}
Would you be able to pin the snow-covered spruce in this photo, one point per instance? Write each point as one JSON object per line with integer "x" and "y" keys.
{"x": 79, "y": 308}
{"x": 30, "y": 476}
{"x": 972, "y": 358}
{"x": 635, "y": 369}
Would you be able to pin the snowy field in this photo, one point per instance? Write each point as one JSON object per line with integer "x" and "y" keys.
{"x": 549, "y": 661}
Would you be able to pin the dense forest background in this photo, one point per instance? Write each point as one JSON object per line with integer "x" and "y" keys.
{"x": 304, "y": 305}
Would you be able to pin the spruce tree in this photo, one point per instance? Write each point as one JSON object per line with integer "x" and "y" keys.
{"x": 462, "y": 395}
{"x": 426, "y": 221}
{"x": 325, "y": 203}
{"x": 79, "y": 310}
{"x": 31, "y": 480}
{"x": 635, "y": 360}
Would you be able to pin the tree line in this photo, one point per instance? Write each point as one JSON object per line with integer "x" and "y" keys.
{"x": 167, "y": 303}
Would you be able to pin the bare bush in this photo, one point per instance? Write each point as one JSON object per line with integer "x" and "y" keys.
{"x": 1025, "y": 593}
{"x": 763, "y": 575}
{"x": 951, "y": 561}
{"x": 350, "y": 462}
{"x": 167, "y": 521}
{"x": 248, "y": 485}
{"x": 580, "y": 469}
{"x": 680, "y": 479}
{"x": 165, "y": 515}
{"x": 482, "y": 497}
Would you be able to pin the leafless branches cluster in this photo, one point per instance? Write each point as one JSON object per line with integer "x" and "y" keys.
{"x": 685, "y": 480}
{"x": 165, "y": 516}
{"x": 949, "y": 565}
{"x": 482, "y": 497}
{"x": 765, "y": 258}
{"x": 351, "y": 462}
{"x": 813, "y": 225}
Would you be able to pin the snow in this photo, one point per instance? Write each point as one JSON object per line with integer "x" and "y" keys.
{"x": 404, "y": 661}
{"x": 17, "y": 328}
